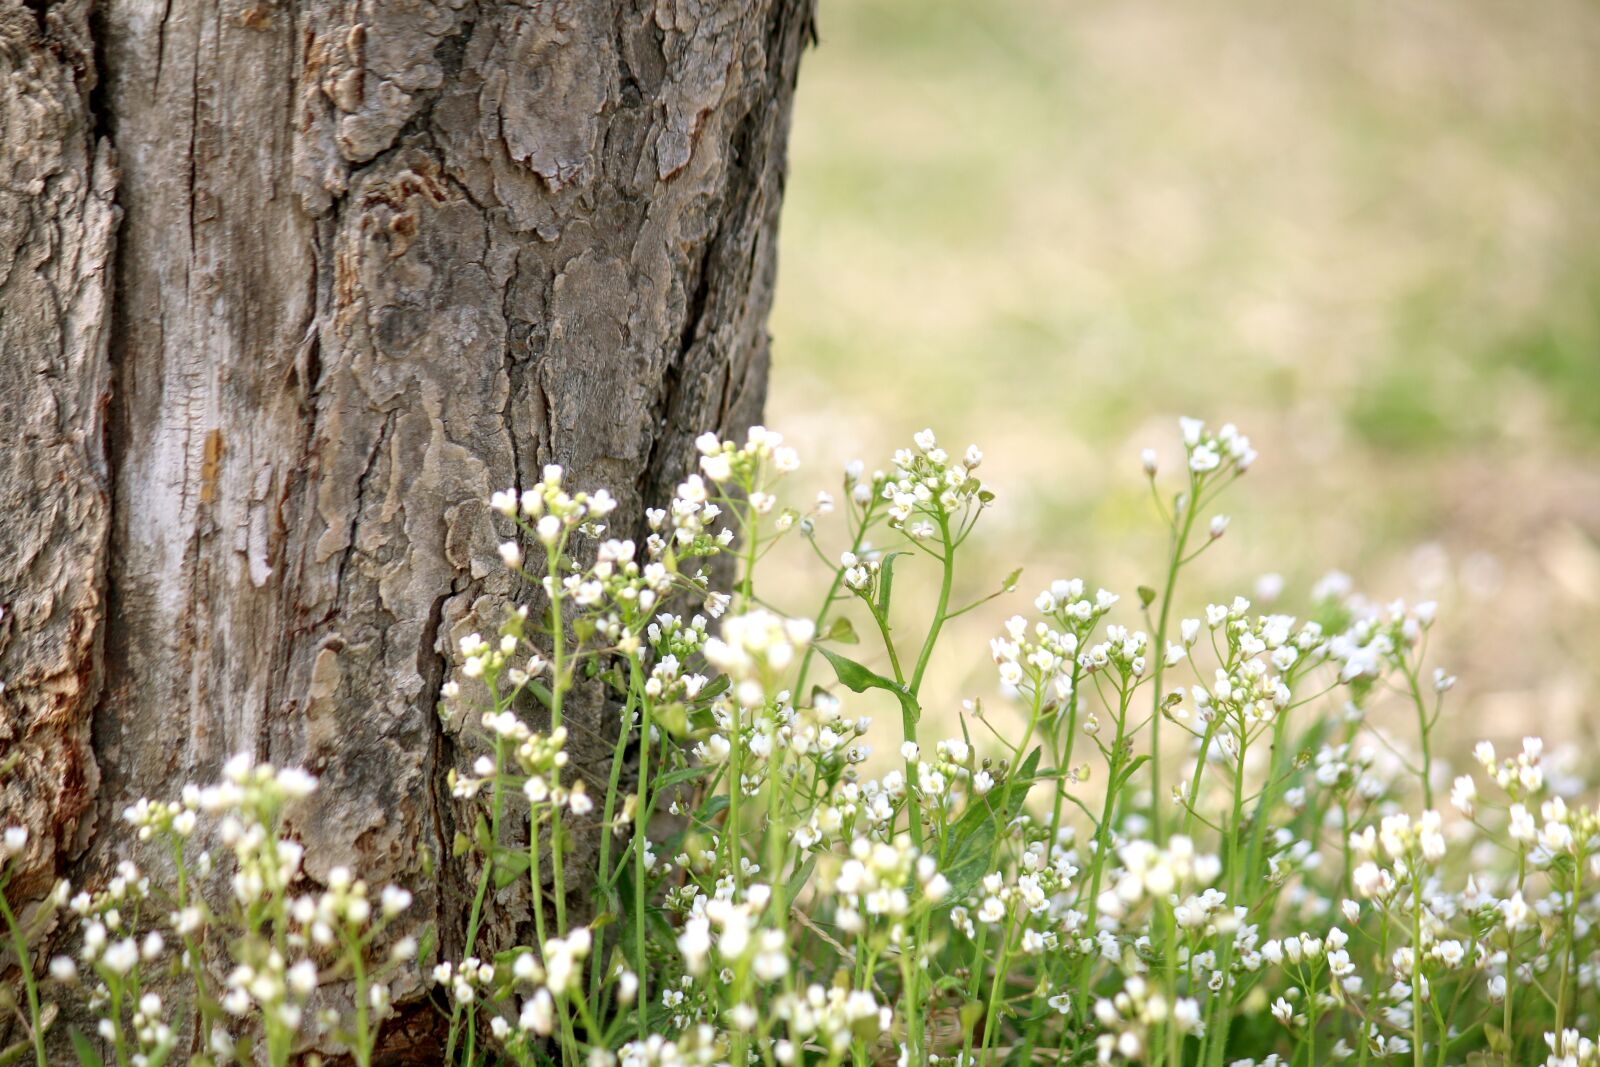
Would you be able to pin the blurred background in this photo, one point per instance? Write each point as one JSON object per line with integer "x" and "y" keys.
{"x": 1368, "y": 233}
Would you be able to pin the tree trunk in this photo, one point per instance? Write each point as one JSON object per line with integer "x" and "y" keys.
{"x": 376, "y": 258}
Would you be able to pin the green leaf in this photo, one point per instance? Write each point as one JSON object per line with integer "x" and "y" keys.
{"x": 679, "y": 776}
{"x": 672, "y": 718}
{"x": 854, "y": 676}
{"x": 509, "y": 866}
{"x": 858, "y": 679}
{"x": 481, "y": 837}
{"x": 717, "y": 687}
{"x": 87, "y": 1056}
{"x": 1130, "y": 770}
{"x": 979, "y": 826}
{"x": 886, "y": 581}
{"x": 798, "y": 882}
{"x": 710, "y": 809}
{"x": 842, "y": 632}
{"x": 427, "y": 943}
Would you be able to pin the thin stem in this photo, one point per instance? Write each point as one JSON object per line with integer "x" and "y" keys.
{"x": 946, "y": 581}
{"x": 1424, "y": 730}
{"x": 641, "y": 826}
{"x": 1103, "y": 842}
{"x": 476, "y": 914}
{"x": 1572, "y": 942}
{"x": 558, "y": 689}
{"x": 20, "y": 947}
{"x": 1416, "y": 964}
{"x": 363, "y": 1036}
{"x": 608, "y": 883}
{"x": 1159, "y": 651}
{"x": 995, "y": 990}
{"x": 833, "y": 594}
{"x": 908, "y": 723}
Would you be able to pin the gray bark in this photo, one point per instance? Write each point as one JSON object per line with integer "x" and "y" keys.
{"x": 376, "y": 258}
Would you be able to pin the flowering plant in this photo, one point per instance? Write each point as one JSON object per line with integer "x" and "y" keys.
{"x": 1033, "y": 887}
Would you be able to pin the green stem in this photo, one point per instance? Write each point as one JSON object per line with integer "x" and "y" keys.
{"x": 1511, "y": 992}
{"x": 1269, "y": 797}
{"x": 363, "y": 1035}
{"x": 641, "y": 825}
{"x": 608, "y": 883}
{"x": 476, "y": 914}
{"x": 1416, "y": 963}
{"x": 1222, "y": 1015}
{"x": 197, "y": 968}
{"x": 1068, "y": 727}
{"x": 1102, "y": 846}
{"x": 908, "y": 722}
{"x": 1199, "y": 771}
{"x": 833, "y": 594}
{"x": 946, "y": 582}
{"x": 1424, "y": 730}
{"x": 558, "y": 688}
{"x": 119, "y": 1038}
{"x": 31, "y": 988}
{"x": 1311, "y": 1020}
{"x": 1174, "y": 1039}
{"x": 1572, "y": 942}
{"x": 996, "y": 988}
{"x": 1159, "y": 651}
{"x": 536, "y": 878}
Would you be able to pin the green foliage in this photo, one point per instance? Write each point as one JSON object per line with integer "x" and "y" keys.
{"x": 1057, "y": 882}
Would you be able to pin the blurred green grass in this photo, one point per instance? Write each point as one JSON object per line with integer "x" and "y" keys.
{"x": 1368, "y": 233}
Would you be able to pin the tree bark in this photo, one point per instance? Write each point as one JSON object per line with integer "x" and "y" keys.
{"x": 375, "y": 259}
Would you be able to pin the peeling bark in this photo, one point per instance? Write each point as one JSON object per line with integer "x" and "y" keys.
{"x": 375, "y": 260}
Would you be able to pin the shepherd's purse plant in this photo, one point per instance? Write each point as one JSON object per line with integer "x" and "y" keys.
{"x": 1189, "y": 837}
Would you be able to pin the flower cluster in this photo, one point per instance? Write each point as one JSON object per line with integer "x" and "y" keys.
{"x": 928, "y": 489}
{"x": 746, "y": 881}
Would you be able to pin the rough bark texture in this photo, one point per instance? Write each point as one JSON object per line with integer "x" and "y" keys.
{"x": 376, "y": 259}
{"x": 57, "y": 230}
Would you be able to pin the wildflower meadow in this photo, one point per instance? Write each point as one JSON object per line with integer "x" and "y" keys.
{"x": 1175, "y": 833}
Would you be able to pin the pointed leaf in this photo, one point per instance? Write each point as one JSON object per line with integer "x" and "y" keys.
{"x": 886, "y": 581}
{"x": 1131, "y": 769}
{"x": 842, "y": 632}
{"x": 427, "y": 943}
{"x": 715, "y": 688}
{"x": 677, "y": 777}
{"x": 712, "y": 807}
{"x": 87, "y": 1056}
{"x": 982, "y": 823}
{"x": 798, "y": 881}
{"x": 859, "y": 679}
